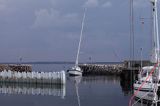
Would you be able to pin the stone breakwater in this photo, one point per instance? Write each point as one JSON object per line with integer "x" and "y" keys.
{"x": 102, "y": 69}
{"x": 16, "y": 67}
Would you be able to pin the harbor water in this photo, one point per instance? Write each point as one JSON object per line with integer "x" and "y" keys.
{"x": 89, "y": 91}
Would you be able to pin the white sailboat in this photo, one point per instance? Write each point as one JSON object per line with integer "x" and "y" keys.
{"x": 76, "y": 70}
{"x": 148, "y": 84}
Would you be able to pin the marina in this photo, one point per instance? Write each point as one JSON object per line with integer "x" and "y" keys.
{"x": 79, "y": 53}
{"x": 90, "y": 87}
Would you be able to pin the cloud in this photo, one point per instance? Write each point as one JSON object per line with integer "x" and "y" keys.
{"x": 96, "y": 3}
{"x": 54, "y": 3}
{"x": 107, "y": 4}
{"x": 3, "y": 5}
{"x": 46, "y": 18}
{"x": 43, "y": 18}
{"x": 91, "y": 3}
{"x": 61, "y": 21}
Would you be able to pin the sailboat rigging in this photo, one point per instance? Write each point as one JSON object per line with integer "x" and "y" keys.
{"x": 79, "y": 45}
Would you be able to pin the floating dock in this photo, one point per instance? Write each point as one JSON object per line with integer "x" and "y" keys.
{"x": 33, "y": 77}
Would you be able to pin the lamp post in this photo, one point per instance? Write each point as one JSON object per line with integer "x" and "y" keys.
{"x": 141, "y": 58}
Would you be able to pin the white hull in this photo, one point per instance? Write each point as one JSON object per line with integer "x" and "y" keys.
{"x": 146, "y": 92}
{"x": 74, "y": 72}
{"x": 147, "y": 96}
{"x": 145, "y": 87}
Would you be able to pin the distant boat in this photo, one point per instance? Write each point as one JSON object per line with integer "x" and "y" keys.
{"x": 76, "y": 70}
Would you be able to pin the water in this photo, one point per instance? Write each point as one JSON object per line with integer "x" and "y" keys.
{"x": 91, "y": 91}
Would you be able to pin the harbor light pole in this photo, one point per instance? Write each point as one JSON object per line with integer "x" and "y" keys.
{"x": 141, "y": 57}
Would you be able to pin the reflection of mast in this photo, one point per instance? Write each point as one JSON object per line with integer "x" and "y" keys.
{"x": 77, "y": 80}
{"x": 77, "y": 93}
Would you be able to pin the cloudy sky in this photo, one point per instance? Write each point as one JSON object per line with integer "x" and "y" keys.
{"x": 48, "y": 30}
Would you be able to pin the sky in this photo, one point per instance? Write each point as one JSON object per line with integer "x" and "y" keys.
{"x": 49, "y": 30}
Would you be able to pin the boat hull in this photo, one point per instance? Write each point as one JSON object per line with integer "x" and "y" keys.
{"x": 147, "y": 87}
{"x": 146, "y": 92}
{"x": 147, "y": 96}
{"x": 74, "y": 72}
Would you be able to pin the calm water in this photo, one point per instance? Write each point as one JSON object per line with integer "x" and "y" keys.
{"x": 85, "y": 91}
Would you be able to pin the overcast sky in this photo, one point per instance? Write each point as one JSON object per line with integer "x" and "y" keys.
{"x": 48, "y": 30}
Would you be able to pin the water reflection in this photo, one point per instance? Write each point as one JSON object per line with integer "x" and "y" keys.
{"x": 76, "y": 80}
{"x": 101, "y": 79}
{"x": 33, "y": 89}
{"x": 127, "y": 86}
{"x": 127, "y": 79}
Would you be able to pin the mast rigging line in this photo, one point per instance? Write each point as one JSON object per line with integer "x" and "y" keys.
{"x": 81, "y": 33}
{"x": 131, "y": 32}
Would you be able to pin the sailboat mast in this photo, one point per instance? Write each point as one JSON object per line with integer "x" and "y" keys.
{"x": 79, "y": 45}
{"x": 156, "y": 31}
{"x": 155, "y": 55}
